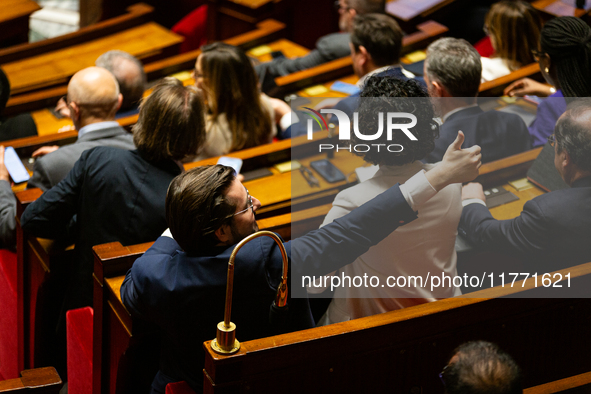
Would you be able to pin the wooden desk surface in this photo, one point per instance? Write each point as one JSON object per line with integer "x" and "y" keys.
{"x": 408, "y": 9}
{"x": 289, "y": 49}
{"x": 559, "y": 8}
{"x": 11, "y": 9}
{"x": 58, "y": 66}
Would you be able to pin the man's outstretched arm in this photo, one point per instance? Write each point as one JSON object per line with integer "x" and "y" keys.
{"x": 341, "y": 242}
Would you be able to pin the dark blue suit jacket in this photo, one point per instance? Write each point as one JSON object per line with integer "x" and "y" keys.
{"x": 113, "y": 195}
{"x": 552, "y": 232}
{"x": 184, "y": 294}
{"x": 499, "y": 134}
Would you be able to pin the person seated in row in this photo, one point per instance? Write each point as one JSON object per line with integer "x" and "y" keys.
{"x": 180, "y": 282}
{"x": 514, "y": 30}
{"x": 399, "y": 253}
{"x": 93, "y": 100}
{"x": 118, "y": 195}
{"x": 376, "y": 42}
{"x": 330, "y": 47}
{"x": 452, "y": 74}
{"x": 480, "y": 367}
{"x": 552, "y": 231}
{"x": 130, "y": 75}
{"x": 238, "y": 115}
{"x": 565, "y": 63}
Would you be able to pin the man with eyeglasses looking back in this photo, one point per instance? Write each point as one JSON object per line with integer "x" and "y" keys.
{"x": 180, "y": 282}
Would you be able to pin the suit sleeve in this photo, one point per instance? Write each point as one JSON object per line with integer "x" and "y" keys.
{"x": 7, "y": 215}
{"x": 528, "y": 233}
{"x": 330, "y": 47}
{"x": 134, "y": 284}
{"x": 41, "y": 176}
{"x": 52, "y": 215}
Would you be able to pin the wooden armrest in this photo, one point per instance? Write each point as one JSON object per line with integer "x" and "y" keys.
{"x": 560, "y": 385}
{"x": 39, "y": 380}
{"x": 496, "y": 86}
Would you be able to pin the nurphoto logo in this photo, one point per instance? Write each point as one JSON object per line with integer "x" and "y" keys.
{"x": 392, "y": 120}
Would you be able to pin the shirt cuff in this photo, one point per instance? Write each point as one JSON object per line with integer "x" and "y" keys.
{"x": 469, "y": 201}
{"x": 417, "y": 190}
{"x": 288, "y": 119}
{"x": 167, "y": 233}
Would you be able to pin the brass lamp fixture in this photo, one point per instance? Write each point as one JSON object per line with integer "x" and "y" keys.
{"x": 225, "y": 341}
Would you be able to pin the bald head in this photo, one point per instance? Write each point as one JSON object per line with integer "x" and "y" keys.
{"x": 94, "y": 92}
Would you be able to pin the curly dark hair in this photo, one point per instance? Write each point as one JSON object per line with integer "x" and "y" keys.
{"x": 381, "y": 95}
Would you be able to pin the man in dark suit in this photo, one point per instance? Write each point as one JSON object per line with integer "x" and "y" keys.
{"x": 329, "y": 47}
{"x": 93, "y": 99}
{"x": 452, "y": 74}
{"x": 375, "y": 45}
{"x": 552, "y": 231}
{"x": 180, "y": 282}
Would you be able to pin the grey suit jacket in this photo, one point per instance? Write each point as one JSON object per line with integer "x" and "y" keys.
{"x": 50, "y": 169}
{"x": 7, "y": 216}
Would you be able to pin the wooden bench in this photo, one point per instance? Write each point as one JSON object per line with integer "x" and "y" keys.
{"x": 148, "y": 41}
{"x": 416, "y": 342}
{"x": 426, "y": 33}
{"x": 136, "y": 15}
{"x": 14, "y": 21}
{"x": 406, "y": 349}
{"x": 39, "y": 381}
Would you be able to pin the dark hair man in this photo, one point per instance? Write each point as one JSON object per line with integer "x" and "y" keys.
{"x": 375, "y": 44}
{"x": 452, "y": 74}
{"x": 552, "y": 231}
{"x": 130, "y": 75}
{"x": 93, "y": 99}
{"x": 329, "y": 47}
{"x": 180, "y": 283}
{"x": 480, "y": 367}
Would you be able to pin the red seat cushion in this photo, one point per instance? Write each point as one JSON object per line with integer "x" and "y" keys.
{"x": 484, "y": 47}
{"x": 9, "y": 368}
{"x": 194, "y": 28}
{"x": 79, "y": 331}
{"x": 179, "y": 388}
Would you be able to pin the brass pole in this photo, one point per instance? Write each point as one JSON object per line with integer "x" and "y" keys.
{"x": 225, "y": 341}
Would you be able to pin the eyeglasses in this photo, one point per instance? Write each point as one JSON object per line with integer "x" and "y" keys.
{"x": 552, "y": 139}
{"x": 338, "y": 6}
{"x": 250, "y": 205}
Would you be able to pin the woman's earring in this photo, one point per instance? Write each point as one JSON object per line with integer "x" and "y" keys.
{"x": 547, "y": 70}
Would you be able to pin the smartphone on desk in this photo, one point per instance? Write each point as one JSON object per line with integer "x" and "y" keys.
{"x": 328, "y": 171}
{"x": 15, "y": 166}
